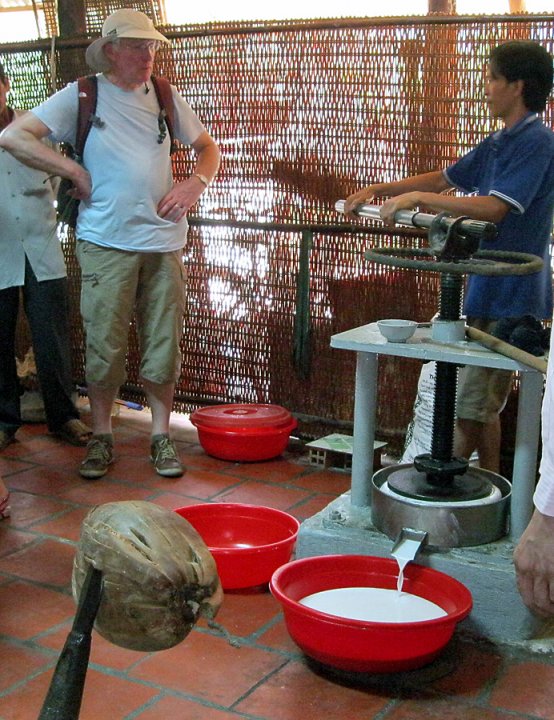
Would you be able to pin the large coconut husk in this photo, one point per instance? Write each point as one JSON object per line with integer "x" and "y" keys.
{"x": 158, "y": 575}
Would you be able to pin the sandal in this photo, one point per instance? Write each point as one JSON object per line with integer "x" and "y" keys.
{"x": 74, "y": 432}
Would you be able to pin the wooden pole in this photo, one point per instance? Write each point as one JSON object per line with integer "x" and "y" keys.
{"x": 517, "y": 6}
{"x": 504, "y": 348}
{"x": 443, "y": 7}
{"x": 72, "y": 17}
{"x": 63, "y": 700}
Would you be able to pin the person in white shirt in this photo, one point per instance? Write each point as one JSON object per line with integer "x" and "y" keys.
{"x": 534, "y": 554}
{"x": 32, "y": 269}
{"x": 131, "y": 226}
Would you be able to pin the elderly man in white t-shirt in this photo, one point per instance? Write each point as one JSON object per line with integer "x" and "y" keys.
{"x": 131, "y": 226}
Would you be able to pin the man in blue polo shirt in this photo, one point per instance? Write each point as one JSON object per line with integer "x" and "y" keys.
{"x": 509, "y": 180}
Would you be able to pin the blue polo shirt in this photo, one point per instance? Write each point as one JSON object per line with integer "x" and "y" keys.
{"x": 517, "y": 166}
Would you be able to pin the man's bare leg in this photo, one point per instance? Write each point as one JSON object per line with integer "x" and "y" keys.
{"x": 100, "y": 448}
{"x": 160, "y": 399}
{"x": 470, "y": 435}
{"x": 101, "y": 405}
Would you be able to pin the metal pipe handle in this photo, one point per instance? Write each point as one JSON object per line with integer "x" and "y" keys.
{"x": 413, "y": 218}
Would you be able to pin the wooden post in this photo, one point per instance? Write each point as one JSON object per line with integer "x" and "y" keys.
{"x": 444, "y": 7}
{"x": 72, "y": 17}
{"x": 517, "y": 6}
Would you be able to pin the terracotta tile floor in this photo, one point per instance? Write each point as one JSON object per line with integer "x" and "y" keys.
{"x": 205, "y": 677}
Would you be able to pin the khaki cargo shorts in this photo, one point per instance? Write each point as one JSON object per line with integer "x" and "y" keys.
{"x": 482, "y": 392}
{"x": 115, "y": 284}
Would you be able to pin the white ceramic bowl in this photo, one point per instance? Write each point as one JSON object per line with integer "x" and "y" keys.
{"x": 397, "y": 330}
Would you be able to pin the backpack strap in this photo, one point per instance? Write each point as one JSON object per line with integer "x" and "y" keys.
{"x": 88, "y": 96}
{"x": 164, "y": 94}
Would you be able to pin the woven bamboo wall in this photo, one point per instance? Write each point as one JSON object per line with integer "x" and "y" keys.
{"x": 304, "y": 114}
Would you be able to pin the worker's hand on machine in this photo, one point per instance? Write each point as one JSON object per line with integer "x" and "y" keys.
{"x": 406, "y": 201}
{"x": 534, "y": 563}
{"x": 352, "y": 202}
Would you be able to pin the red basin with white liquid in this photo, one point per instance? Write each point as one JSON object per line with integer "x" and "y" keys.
{"x": 359, "y": 645}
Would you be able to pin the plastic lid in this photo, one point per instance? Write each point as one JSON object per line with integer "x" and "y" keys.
{"x": 241, "y": 416}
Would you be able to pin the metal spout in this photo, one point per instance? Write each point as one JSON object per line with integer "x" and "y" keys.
{"x": 407, "y": 545}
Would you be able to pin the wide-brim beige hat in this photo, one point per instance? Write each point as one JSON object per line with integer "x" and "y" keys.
{"x": 124, "y": 23}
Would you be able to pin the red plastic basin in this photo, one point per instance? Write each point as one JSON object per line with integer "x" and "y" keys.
{"x": 243, "y": 432}
{"x": 248, "y": 542}
{"x": 362, "y": 646}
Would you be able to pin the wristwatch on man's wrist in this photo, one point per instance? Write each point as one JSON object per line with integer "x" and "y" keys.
{"x": 203, "y": 179}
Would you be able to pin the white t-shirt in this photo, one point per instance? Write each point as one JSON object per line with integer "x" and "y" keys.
{"x": 544, "y": 493}
{"x": 27, "y": 223}
{"x": 130, "y": 169}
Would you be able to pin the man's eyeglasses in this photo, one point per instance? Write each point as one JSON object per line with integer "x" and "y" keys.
{"x": 139, "y": 45}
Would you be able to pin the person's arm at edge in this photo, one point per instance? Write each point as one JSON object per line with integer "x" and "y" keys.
{"x": 22, "y": 138}
{"x": 534, "y": 553}
{"x": 534, "y": 563}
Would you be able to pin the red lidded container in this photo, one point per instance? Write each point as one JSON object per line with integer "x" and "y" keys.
{"x": 243, "y": 432}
